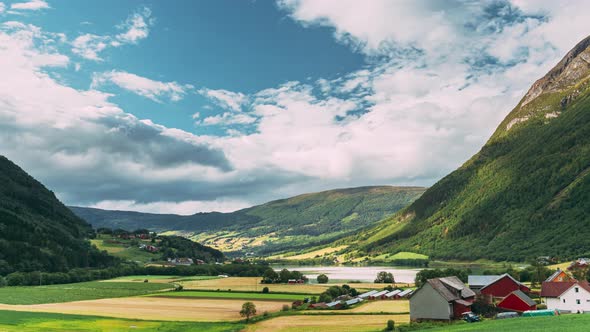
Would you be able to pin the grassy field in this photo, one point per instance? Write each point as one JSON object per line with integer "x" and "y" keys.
{"x": 125, "y": 249}
{"x": 565, "y": 323}
{"x": 12, "y": 321}
{"x": 155, "y": 308}
{"x": 160, "y": 279}
{"x": 252, "y": 284}
{"x": 77, "y": 292}
{"x": 311, "y": 254}
{"x": 327, "y": 323}
{"x": 396, "y": 306}
{"x": 234, "y": 295}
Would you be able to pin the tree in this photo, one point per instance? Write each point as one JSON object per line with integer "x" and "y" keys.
{"x": 270, "y": 276}
{"x": 322, "y": 279}
{"x": 248, "y": 310}
{"x": 265, "y": 290}
{"x": 384, "y": 277}
{"x": 284, "y": 275}
{"x": 390, "y": 325}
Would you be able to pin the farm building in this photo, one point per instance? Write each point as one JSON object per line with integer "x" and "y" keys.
{"x": 367, "y": 294}
{"x": 392, "y": 294}
{"x": 379, "y": 295}
{"x": 477, "y": 282}
{"x": 517, "y": 301}
{"x": 572, "y": 296}
{"x": 559, "y": 276}
{"x": 181, "y": 261}
{"x": 334, "y": 304}
{"x": 295, "y": 281}
{"x": 496, "y": 286}
{"x": 354, "y": 301}
{"x": 403, "y": 294}
{"x": 441, "y": 299}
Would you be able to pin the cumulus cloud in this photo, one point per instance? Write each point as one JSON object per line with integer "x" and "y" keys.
{"x": 30, "y": 5}
{"x": 91, "y": 149}
{"x": 135, "y": 28}
{"x": 2, "y": 7}
{"x": 142, "y": 86}
{"x": 229, "y": 100}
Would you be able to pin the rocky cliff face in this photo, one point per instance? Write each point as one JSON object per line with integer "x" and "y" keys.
{"x": 573, "y": 68}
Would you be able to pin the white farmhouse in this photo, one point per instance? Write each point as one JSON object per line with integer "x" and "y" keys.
{"x": 573, "y": 296}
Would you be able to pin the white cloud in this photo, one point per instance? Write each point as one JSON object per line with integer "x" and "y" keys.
{"x": 228, "y": 119}
{"x": 2, "y": 7}
{"x": 136, "y": 28}
{"x": 89, "y": 46}
{"x": 30, "y": 5}
{"x": 142, "y": 86}
{"x": 181, "y": 208}
{"x": 226, "y": 99}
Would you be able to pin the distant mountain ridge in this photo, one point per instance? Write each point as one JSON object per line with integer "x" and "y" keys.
{"x": 288, "y": 224}
{"x": 37, "y": 232}
{"x": 525, "y": 194}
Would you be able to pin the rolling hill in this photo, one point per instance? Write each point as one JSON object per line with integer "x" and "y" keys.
{"x": 525, "y": 193}
{"x": 37, "y": 232}
{"x": 295, "y": 223}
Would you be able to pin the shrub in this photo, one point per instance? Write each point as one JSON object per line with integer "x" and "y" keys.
{"x": 265, "y": 290}
{"x": 390, "y": 325}
{"x": 322, "y": 279}
{"x": 285, "y": 307}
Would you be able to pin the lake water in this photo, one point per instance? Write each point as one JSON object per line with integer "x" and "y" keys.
{"x": 348, "y": 273}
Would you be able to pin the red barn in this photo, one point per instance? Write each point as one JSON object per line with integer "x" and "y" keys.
{"x": 517, "y": 301}
{"x": 503, "y": 286}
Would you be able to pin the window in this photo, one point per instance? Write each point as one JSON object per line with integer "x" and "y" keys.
{"x": 577, "y": 301}
{"x": 577, "y": 290}
{"x": 563, "y": 300}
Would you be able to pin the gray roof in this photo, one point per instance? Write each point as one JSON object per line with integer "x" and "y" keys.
{"x": 480, "y": 281}
{"x": 333, "y": 303}
{"x": 451, "y": 288}
{"x": 381, "y": 293}
{"x": 354, "y": 301}
{"x": 392, "y": 293}
{"x": 404, "y": 293}
{"x": 367, "y": 294}
{"x": 524, "y": 297}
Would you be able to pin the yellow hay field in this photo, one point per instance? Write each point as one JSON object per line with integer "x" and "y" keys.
{"x": 250, "y": 284}
{"x": 327, "y": 323}
{"x": 313, "y": 254}
{"x": 150, "y": 308}
{"x": 388, "y": 306}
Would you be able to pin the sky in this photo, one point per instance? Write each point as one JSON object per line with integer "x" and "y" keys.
{"x": 197, "y": 106}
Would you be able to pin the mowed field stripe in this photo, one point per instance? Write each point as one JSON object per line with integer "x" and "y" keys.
{"x": 154, "y": 308}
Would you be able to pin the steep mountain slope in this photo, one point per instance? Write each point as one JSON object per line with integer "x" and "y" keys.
{"x": 294, "y": 223}
{"x": 526, "y": 193}
{"x": 37, "y": 232}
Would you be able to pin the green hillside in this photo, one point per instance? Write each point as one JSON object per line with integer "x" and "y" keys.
{"x": 291, "y": 224}
{"x": 525, "y": 194}
{"x": 37, "y": 232}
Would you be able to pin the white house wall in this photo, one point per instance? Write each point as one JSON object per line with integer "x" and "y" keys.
{"x": 570, "y": 296}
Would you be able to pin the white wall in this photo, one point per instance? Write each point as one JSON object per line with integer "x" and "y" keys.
{"x": 570, "y": 296}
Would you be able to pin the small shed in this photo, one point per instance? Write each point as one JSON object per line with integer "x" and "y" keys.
{"x": 404, "y": 294}
{"x": 517, "y": 301}
{"x": 392, "y": 294}
{"x": 367, "y": 294}
{"x": 379, "y": 295}
{"x": 354, "y": 301}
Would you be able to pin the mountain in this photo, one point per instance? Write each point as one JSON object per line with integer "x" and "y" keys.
{"x": 37, "y": 232}
{"x": 289, "y": 224}
{"x": 525, "y": 193}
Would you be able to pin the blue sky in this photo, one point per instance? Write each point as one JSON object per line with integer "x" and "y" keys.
{"x": 191, "y": 106}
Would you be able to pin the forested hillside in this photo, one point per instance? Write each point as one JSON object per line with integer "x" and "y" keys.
{"x": 37, "y": 232}
{"x": 289, "y": 224}
{"x": 525, "y": 194}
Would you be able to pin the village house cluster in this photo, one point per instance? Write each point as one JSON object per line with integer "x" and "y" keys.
{"x": 449, "y": 298}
